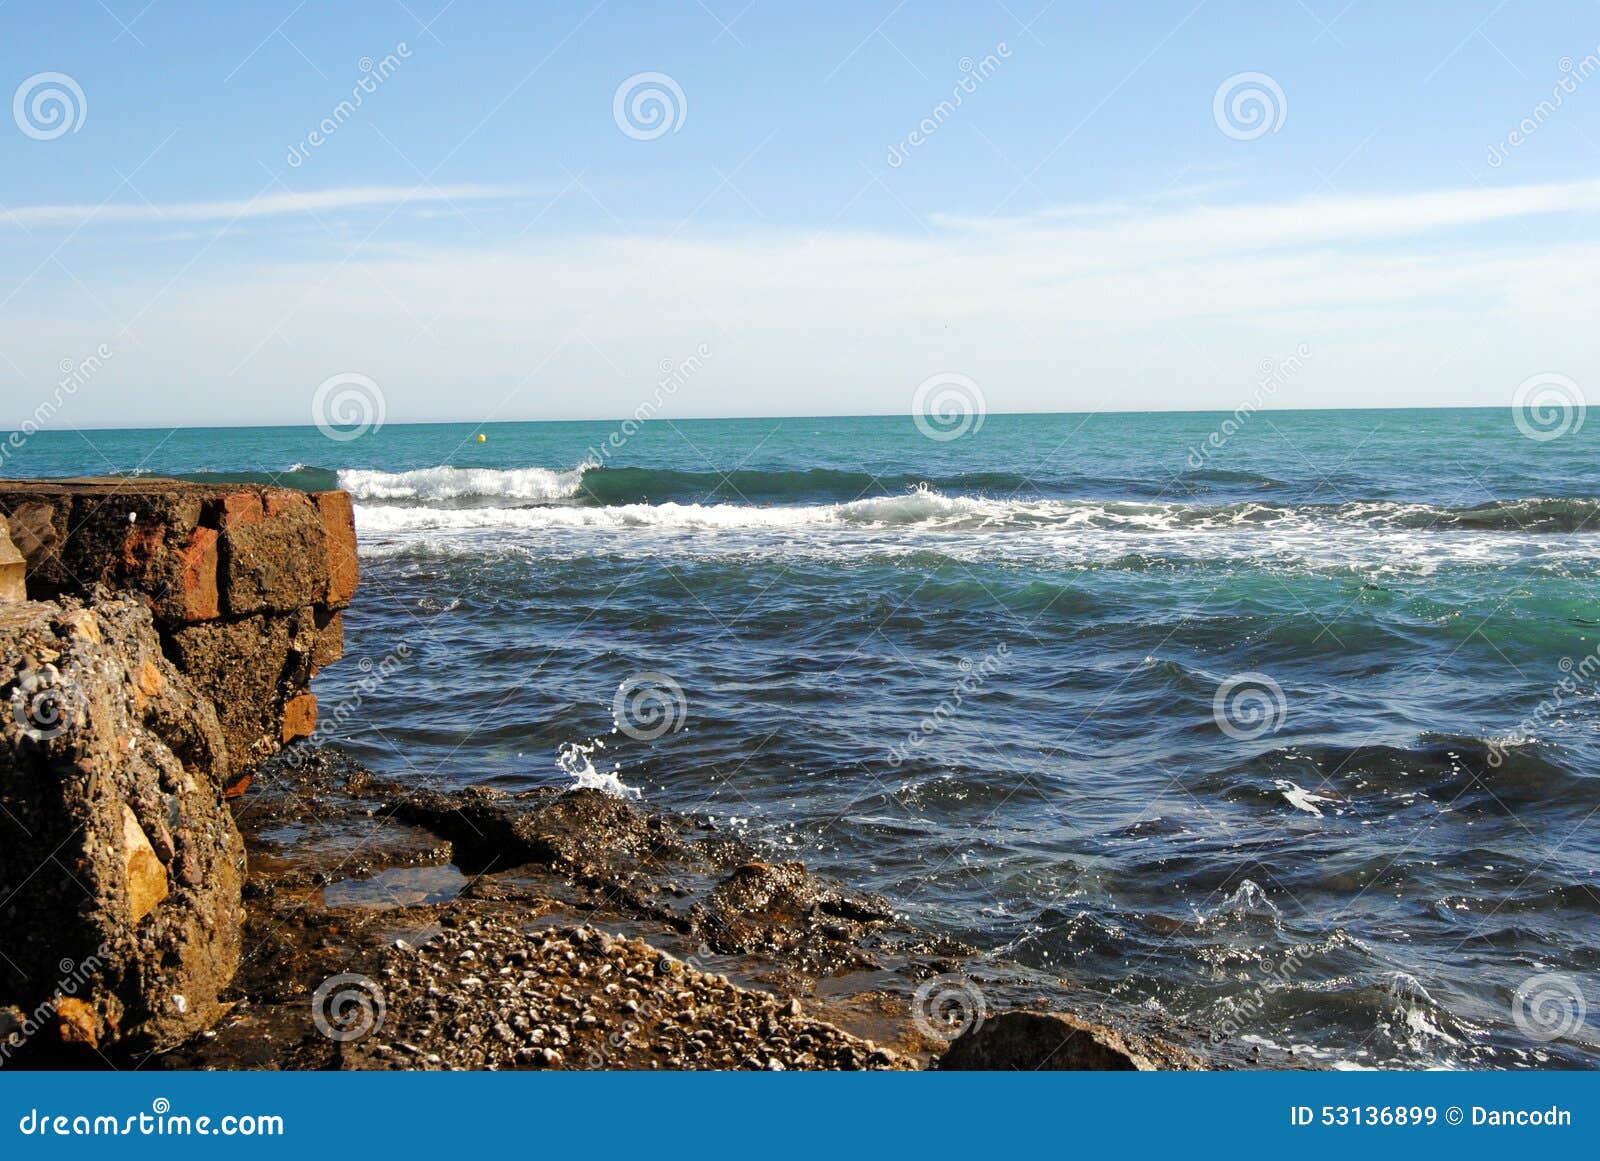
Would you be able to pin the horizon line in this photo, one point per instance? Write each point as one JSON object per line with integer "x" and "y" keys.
{"x": 487, "y": 423}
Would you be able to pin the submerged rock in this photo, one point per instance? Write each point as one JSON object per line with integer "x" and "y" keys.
{"x": 578, "y": 829}
{"x": 1055, "y": 1041}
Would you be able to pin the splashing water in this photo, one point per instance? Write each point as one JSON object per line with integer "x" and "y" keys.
{"x": 577, "y": 760}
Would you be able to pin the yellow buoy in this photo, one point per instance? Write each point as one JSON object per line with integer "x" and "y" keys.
{"x": 482, "y": 438}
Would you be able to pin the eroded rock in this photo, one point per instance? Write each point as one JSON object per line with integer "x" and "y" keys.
{"x": 246, "y": 583}
{"x": 578, "y": 829}
{"x": 120, "y": 867}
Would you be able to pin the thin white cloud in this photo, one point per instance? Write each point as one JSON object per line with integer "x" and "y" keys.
{"x": 1118, "y": 229}
{"x": 1168, "y": 308}
{"x": 266, "y": 205}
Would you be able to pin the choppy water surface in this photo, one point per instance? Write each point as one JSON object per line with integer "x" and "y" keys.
{"x": 982, "y": 676}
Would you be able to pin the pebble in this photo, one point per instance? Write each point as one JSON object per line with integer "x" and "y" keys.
{"x": 653, "y": 1011}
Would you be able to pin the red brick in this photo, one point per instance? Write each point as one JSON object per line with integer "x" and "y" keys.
{"x": 278, "y": 563}
{"x": 299, "y": 717}
{"x": 240, "y": 508}
{"x": 141, "y": 547}
{"x": 200, "y": 600}
{"x": 329, "y": 644}
{"x": 344, "y": 567}
{"x": 281, "y": 500}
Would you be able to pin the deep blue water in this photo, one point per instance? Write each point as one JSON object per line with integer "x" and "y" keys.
{"x": 982, "y": 676}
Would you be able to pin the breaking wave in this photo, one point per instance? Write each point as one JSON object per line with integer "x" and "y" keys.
{"x": 435, "y": 484}
{"x": 595, "y": 496}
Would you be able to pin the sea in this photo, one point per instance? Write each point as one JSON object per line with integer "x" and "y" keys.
{"x": 1281, "y": 724}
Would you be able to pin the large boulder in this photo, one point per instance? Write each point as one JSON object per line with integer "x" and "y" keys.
{"x": 1055, "y": 1041}
{"x": 120, "y": 866}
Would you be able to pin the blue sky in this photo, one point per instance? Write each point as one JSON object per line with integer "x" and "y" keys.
{"x": 482, "y": 238}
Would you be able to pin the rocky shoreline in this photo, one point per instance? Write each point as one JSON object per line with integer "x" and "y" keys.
{"x": 238, "y": 904}
{"x": 570, "y": 929}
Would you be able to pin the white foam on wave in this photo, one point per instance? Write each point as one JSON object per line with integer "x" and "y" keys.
{"x": 444, "y": 483}
{"x": 923, "y": 507}
{"x": 1301, "y": 798}
{"x": 1053, "y": 532}
{"x": 576, "y": 759}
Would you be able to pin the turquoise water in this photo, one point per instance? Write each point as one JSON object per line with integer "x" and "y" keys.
{"x": 1295, "y": 737}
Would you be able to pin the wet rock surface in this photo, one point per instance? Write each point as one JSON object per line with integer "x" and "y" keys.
{"x": 770, "y": 964}
{"x": 120, "y": 864}
{"x": 1056, "y": 1041}
{"x": 490, "y": 995}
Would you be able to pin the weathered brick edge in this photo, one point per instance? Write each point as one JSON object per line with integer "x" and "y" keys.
{"x": 247, "y": 583}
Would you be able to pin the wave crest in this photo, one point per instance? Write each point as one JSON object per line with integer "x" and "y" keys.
{"x": 445, "y": 483}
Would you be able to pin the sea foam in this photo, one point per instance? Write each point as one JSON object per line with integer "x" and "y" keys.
{"x": 444, "y": 483}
